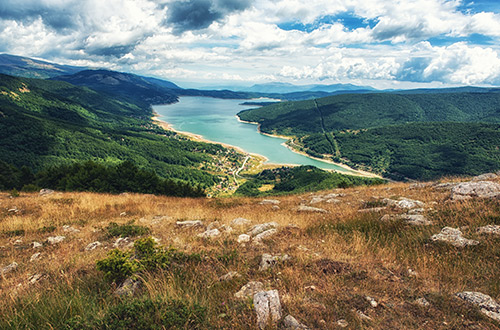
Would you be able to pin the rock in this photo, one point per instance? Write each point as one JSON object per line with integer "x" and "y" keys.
{"x": 372, "y": 301}
{"x": 257, "y": 229}
{"x": 422, "y": 302}
{"x": 69, "y": 229}
{"x": 489, "y": 229}
{"x": 229, "y": 276}
{"x": 55, "y": 239}
{"x": 420, "y": 185}
{"x": 268, "y": 308}
{"x": 445, "y": 186}
{"x": 264, "y": 235}
{"x": 18, "y": 242}
{"x": 13, "y": 210}
{"x": 188, "y": 224}
{"x": 269, "y": 261}
{"x": 36, "y": 245}
{"x": 243, "y": 238}
{"x": 159, "y": 219}
{"x": 213, "y": 225}
{"x": 304, "y": 208}
{"x": 403, "y": 203}
{"x": 93, "y": 246}
{"x": 373, "y": 210}
{"x": 412, "y": 273}
{"x": 454, "y": 237}
{"x": 487, "y": 304}
{"x": 240, "y": 222}
{"x": 123, "y": 242}
{"x": 123, "y": 214}
{"x": 415, "y": 219}
{"x": 275, "y": 207}
{"x": 479, "y": 189}
{"x": 45, "y": 192}
{"x": 249, "y": 289}
{"x": 291, "y": 323}
{"x": 342, "y": 323}
{"x": 269, "y": 202}
{"x": 485, "y": 177}
{"x": 8, "y": 269}
{"x": 316, "y": 200}
{"x": 227, "y": 229}
{"x": 333, "y": 201}
{"x": 35, "y": 256}
{"x": 128, "y": 288}
{"x": 35, "y": 278}
{"x": 210, "y": 233}
{"x": 416, "y": 211}
{"x": 362, "y": 316}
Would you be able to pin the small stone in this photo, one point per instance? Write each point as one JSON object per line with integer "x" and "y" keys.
{"x": 489, "y": 229}
{"x": 342, "y": 323}
{"x": 412, "y": 273}
{"x": 8, "y": 269}
{"x": 13, "y": 210}
{"x": 187, "y": 224}
{"x": 373, "y": 210}
{"x": 226, "y": 228}
{"x": 128, "y": 288}
{"x": 310, "y": 288}
{"x": 213, "y": 225}
{"x": 240, "y": 222}
{"x": 243, "y": 238}
{"x": 35, "y": 278}
{"x": 269, "y": 261}
{"x": 123, "y": 214}
{"x": 372, "y": 301}
{"x": 305, "y": 208}
{"x": 363, "y": 316}
{"x": 93, "y": 246}
{"x": 229, "y": 276}
{"x": 269, "y": 202}
{"x": 422, "y": 302}
{"x": 123, "y": 242}
{"x": 18, "y": 242}
{"x": 35, "y": 256}
{"x": 159, "y": 219}
{"x": 36, "y": 245}
{"x": 291, "y": 323}
{"x": 210, "y": 234}
{"x": 403, "y": 203}
{"x": 454, "y": 237}
{"x": 257, "y": 229}
{"x": 316, "y": 200}
{"x": 249, "y": 289}
{"x": 44, "y": 192}
{"x": 69, "y": 229}
{"x": 268, "y": 308}
{"x": 264, "y": 235}
{"x": 55, "y": 239}
{"x": 275, "y": 207}
{"x": 333, "y": 201}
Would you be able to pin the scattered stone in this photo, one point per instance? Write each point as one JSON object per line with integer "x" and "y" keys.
{"x": 445, "y": 186}
{"x": 240, "y": 222}
{"x": 159, "y": 218}
{"x": 257, "y": 229}
{"x": 454, "y": 237}
{"x": 243, "y": 238}
{"x": 268, "y": 308}
{"x": 123, "y": 242}
{"x": 479, "y": 189}
{"x": 373, "y": 210}
{"x": 269, "y": 261}
{"x": 18, "y": 242}
{"x": 227, "y": 229}
{"x": 229, "y": 276}
{"x": 93, "y": 246}
{"x": 305, "y": 208}
{"x": 411, "y": 219}
{"x": 420, "y": 185}
{"x": 291, "y": 323}
{"x": 36, "y": 245}
{"x": 55, "y": 239}
{"x": 342, "y": 323}
{"x": 372, "y": 301}
{"x": 316, "y": 200}
{"x": 422, "y": 302}
{"x": 412, "y": 273}
{"x": 213, "y": 225}
{"x": 403, "y": 203}
{"x": 310, "y": 288}
{"x": 269, "y": 202}
{"x": 275, "y": 207}
{"x": 487, "y": 304}
{"x": 123, "y": 214}
{"x": 45, "y": 192}
{"x": 249, "y": 289}
{"x": 264, "y": 235}
{"x": 210, "y": 233}
{"x": 69, "y": 229}
{"x": 34, "y": 278}
{"x": 13, "y": 210}
{"x": 489, "y": 229}
{"x": 333, "y": 201}
{"x": 8, "y": 269}
{"x": 485, "y": 177}
{"x": 128, "y": 288}
{"x": 35, "y": 256}
{"x": 190, "y": 223}
{"x": 363, "y": 316}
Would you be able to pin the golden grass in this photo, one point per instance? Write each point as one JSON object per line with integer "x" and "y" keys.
{"x": 378, "y": 255}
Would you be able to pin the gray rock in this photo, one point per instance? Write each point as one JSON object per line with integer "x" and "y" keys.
{"x": 403, "y": 203}
{"x": 44, "y": 192}
{"x": 479, "y": 189}
{"x": 362, "y": 316}
{"x": 69, "y": 229}
{"x": 190, "y": 223}
{"x": 485, "y": 177}
{"x": 316, "y": 200}
{"x": 264, "y": 235}
{"x": 240, "y": 222}
{"x": 123, "y": 242}
{"x": 454, "y": 237}
{"x": 445, "y": 186}
{"x": 269, "y": 261}
{"x": 210, "y": 233}
{"x": 243, "y": 238}
{"x": 342, "y": 323}
{"x": 257, "y": 229}
{"x": 93, "y": 246}
{"x": 275, "y": 207}
{"x": 128, "y": 288}
{"x": 123, "y": 214}
{"x": 373, "y": 210}
{"x": 55, "y": 239}
{"x": 159, "y": 219}
{"x": 489, "y": 229}
{"x": 372, "y": 301}
{"x": 416, "y": 211}
{"x": 291, "y": 323}
{"x": 305, "y": 208}
{"x": 422, "y": 302}
{"x": 36, "y": 245}
{"x": 420, "y": 185}
{"x": 35, "y": 278}
{"x": 229, "y": 276}
{"x": 487, "y": 304}
{"x": 268, "y": 308}
{"x": 415, "y": 219}
{"x": 269, "y": 202}
{"x": 213, "y": 225}
{"x": 35, "y": 256}
{"x": 249, "y": 289}
{"x": 8, "y": 269}
{"x": 333, "y": 201}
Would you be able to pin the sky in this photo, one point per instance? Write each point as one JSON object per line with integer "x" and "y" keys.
{"x": 380, "y": 43}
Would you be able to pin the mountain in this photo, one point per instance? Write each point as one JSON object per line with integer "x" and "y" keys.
{"x": 285, "y": 88}
{"x": 32, "y": 68}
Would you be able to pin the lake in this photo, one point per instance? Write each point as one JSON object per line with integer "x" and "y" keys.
{"x": 215, "y": 120}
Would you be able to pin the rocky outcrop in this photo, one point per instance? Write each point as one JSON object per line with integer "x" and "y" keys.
{"x": 44, "y": 192}
{"x": 305, "y": 208}
{"x": 189, "y": 223}
{"x": 486, "y": 304}
{"x": 489, "y": 229}
{"x": 475, "y": 189}
{"x": 403, "y": 203}
{"x": 211, "y": 233}
{"x": 257, "y": 229}
{"x": 249, "y": 289}
{"x": 264, "y": 235}
{"x": 454, "y": 237}
{"x": 485, "y": 177}
{"x": 268, "y": 308}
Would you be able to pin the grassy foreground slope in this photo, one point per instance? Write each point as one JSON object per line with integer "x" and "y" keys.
{"x": 45, "y": 123}
{"x": 337, "y": 260}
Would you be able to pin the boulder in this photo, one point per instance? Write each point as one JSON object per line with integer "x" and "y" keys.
{"x": 71, "y": 230}
{"x": 257, "y": 229}
{"x": 454, "y": 237}
{"x": 479, "y": 189}
{"x": 268, "y": 308}
{"x": 55, "y": 239}
{"x": 487, "y": 305}
{"x": 243, "y": 238}
{"x": 44, "y": 192}
{"x": 240, "y": 222}
{"x": 291, "y": 323}
{"x": 489, "y": 229}
{"x": 93, "y": 246}
{"x": 189, "y": 223}
{"x": 269, "y": 261}
{"x": 212, "y": 233}
{"x": 403, "y": 203}
{"x": 249, "y": 289}
{"x": 269, "y": 202}
{"x": 305, "y": 208}
{"x": 264, "y": 235}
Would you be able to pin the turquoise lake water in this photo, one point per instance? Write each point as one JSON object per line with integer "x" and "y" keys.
{"x": 215, "y": 120}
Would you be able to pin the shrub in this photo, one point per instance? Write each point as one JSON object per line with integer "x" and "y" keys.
{"x": 118, "y": 265}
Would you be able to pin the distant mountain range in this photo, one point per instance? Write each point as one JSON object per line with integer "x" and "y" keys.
{"x": 30, "y": 68}
{"x": 283, "y": 88}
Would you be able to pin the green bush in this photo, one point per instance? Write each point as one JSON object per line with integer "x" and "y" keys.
{"x": 118, "y": 266}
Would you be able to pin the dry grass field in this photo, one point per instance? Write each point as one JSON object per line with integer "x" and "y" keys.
{"x": 336, "y": 261}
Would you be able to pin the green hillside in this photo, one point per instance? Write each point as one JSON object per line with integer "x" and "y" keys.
{"x": 45, "y": 123}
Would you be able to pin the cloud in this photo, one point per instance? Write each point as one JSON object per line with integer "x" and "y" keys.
{"x": 188, "y": 15}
